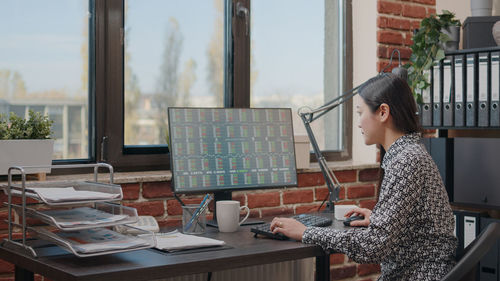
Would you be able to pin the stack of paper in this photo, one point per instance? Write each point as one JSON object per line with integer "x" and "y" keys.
{"x": 82, "y": 216}
{"x": 67, "y": 194}
{"x": 100, "y": 240}
{"x": 175, "y": 241}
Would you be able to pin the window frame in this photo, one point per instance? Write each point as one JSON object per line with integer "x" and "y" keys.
{"x": 108, "y": 78}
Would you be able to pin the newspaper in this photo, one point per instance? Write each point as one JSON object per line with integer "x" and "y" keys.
{"x": 100, "y": 240}
{"x": 67, "y": 194}
{"x": 82, "y": 216}
{"x": 176, "y": 241}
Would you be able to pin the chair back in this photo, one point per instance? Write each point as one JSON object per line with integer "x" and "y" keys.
{"x": 465, "y": 267}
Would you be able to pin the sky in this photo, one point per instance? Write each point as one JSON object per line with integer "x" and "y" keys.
{"x": 43, "y": 42}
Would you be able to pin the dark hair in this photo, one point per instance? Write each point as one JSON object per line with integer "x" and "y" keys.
{"x": 392, "y": 90}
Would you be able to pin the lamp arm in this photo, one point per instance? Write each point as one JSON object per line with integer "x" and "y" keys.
{"x": 331, "y": 180}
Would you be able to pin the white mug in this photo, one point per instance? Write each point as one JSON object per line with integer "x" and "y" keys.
{"x": 228, "y": 215}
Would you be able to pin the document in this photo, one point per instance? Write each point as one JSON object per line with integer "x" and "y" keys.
{"x": 176, "y": 241}
{"x": 67, "y": 194}
{"x": 98, "y": 240}
{"x": 82, "y": 216}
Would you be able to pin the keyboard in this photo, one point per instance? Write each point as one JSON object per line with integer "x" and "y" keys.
{"x": 307, "y": 220}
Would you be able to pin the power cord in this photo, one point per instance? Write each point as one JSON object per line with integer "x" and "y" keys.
{"x": 209, "y": 276}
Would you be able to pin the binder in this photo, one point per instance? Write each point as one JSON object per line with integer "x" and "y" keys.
{"x": 495, "y": 90}
{"x": 437, "y": 113}
{"x": 426, "y": 109}
{"x": 458, "y": 87}
{"x": 484, "y": 91}
{"x": 448, "y": 112}
{"x": 471, "y": 92}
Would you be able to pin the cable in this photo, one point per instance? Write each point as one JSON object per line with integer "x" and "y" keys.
{"x": 209, "y": 276}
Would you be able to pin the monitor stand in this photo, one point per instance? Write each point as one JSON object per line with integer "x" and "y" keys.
{"x": 227, "y": 195}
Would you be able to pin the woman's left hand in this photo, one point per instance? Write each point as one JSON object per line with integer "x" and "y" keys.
{"x": 288, "y": 227}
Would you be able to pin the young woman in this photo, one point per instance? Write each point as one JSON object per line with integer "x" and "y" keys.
{"x": 410, "y": 230}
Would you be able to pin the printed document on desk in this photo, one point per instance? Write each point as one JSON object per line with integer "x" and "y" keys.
{"x": 67, "y": 194}
{"x": 82, "y": 216}
{"x": 176, "y": 241}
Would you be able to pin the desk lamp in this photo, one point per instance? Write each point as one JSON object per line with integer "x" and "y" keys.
{"x": 310, "y": 115}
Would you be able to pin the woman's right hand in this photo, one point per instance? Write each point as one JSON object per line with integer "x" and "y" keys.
{"x": 360, "y": 212}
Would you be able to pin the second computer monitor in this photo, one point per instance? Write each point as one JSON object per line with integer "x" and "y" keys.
{"x": 229, "y": 149}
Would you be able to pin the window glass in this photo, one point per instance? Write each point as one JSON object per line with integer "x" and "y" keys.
{"x": 44, "y": 58}
{"x": 296, "y": 59}
{"x": 173, "y": 57}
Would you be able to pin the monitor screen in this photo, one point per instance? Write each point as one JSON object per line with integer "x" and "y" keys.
{"x": 227, "y": 149}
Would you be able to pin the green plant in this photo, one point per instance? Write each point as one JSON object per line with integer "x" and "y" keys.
{"x": 36, "y": 127}
{"x": 427, "y": 47}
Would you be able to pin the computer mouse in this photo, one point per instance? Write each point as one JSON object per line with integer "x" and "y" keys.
{"x": 348, "y": 221}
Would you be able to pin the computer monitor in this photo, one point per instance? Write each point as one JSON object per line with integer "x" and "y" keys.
{"x": 229, "y": 149}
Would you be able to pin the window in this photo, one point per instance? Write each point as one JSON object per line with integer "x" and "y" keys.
{"x": 44, "y": 67}
{"x": 179, "y": 62}
{"x": 106, "y": 70}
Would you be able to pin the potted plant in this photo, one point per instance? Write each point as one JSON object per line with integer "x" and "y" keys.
{"x": 429, "y": 43}
{"x": 25, "y": 142}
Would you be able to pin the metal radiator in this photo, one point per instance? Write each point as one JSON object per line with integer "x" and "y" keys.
{"x": 297, "y": 270}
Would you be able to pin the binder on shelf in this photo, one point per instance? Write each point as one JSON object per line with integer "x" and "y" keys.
{"x": 437, "y": 113}
{"x": 471, "y": 92}
{"x": 427, "y": 104}
{"x": 458, "y": 87}
{"x": 483, "y": 108}
{"x": 495, "y": 90}
{"x": 448, "y": 99}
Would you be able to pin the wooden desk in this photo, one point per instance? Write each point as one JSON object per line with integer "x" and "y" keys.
{"x": 245, "y": 250}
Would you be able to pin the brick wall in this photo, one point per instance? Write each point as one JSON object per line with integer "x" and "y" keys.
{"x": 359, "y": 186}
{"x": 396, "y": 21}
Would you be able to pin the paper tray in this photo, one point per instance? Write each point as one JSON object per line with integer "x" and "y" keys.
{"x": 108, "y": 208}
{"x": 146, "y": 237}
{"x": 113, "y": 189}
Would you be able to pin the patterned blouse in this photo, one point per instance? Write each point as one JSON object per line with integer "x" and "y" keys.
{"x": 411, "y": 226}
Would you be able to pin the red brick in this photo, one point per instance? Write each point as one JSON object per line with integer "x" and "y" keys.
{"x": 268, "y": 199}
{"x": 369, "y": 204}
{"x": 408, "y": 41}
{"x": 412, "y": 11}
{"x": 361, "y": 191}
{"x": 427, "y": 2}
{"x": 276, "y": 212}
{"x": 381, "y": 22}
{"x": 321, "y": 193}
{"x": 254, "y": 214}
{"x": 15, "y": 199}
{"x": 3, "y": 218}
{"x": 389, "y": 37}
{"x": 310, "y": 179}
{"x": 6, "y": 267}
{"x": 337, "y": 259}
{"x": 241, "y": 198}
{"x": 405, "y": 52}
{"x": 298, "y": 196}
{"x": 307, "y": 208}
{"x": 382, "y": 52}
{"x": 384, "y": 7}
{"x": 346, "y": 176}
{"x": 130, "y": 191}
{"x": 170, "y": 222}
{"x": 393, "y": 23}
{"x": 156, "y": 189}
{"x": 366, "y": 269}
{"x": 174, "y": 207}
{"x": 369, "y": 174}
{"x": 430, "y": 11}
{"x": 342, "y": 272}
{"x": 415, "y": 24}
{"x": 150, "y": 208}
{"x": 7, "y": 278}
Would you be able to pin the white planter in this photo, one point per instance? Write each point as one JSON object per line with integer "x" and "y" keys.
{"x": 302, "y": 152}
{"x": 481, "y": 8}
{"x": 26, "y": 153}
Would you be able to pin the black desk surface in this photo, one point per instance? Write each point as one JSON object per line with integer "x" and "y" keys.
{"x": 244, "y": 250}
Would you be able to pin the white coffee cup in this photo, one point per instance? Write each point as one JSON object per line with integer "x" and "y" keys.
{"x": 228, "y": 215}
